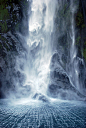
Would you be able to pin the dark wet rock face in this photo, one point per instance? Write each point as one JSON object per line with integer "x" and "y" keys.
{"x": 55, "y": 61}
{"x": 11, "y": 23}
{"x": 41, "y": 97}
{"x": 60, "y": 85}
{"x": 56, "y": 91}
{"x": 1, "y": 94}
{"x": 60, "y": 77}
{"x": 13, "y": 52}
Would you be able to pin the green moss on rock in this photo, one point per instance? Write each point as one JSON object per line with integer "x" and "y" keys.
{"x": 83, "y": 26}
{"x": 80, "y": 19}
{"x": 84, "y": 53}
{"x": 3, "y": 11}
{"x": 78, "y": 40}
{"x": 3, "y": 26}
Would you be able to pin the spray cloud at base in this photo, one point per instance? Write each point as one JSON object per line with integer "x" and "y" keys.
{"x": 49, "y": 66}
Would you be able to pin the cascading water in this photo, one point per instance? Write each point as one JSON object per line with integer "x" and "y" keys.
{"x": 41, "y": 22}
{"x": 73, "y": 52}
{"x": 51, "y": 65}
{"x": 74, "y": 71}
{"x": 47, "y": 71}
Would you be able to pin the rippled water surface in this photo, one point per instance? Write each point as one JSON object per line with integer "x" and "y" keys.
{"x": 36, "y": 114}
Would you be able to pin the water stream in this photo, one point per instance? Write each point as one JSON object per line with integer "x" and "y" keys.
{"x": 48, "y": 75}
{"x": 51, "y": 49}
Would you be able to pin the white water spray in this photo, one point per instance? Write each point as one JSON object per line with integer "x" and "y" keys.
{"x": 74, "y": 60}
{"x": 48, "y": 28}
{"x": 41, "y": 23}
{"x": 73, "y": 53}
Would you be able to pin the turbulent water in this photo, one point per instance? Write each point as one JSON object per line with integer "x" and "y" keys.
{"x": 48, "y": 66}
{"x": 47, "y": 73}
{"x": 41, "y": 22}
{"x": 30, "y": 114}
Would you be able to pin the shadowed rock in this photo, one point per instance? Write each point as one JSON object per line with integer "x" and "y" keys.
{"x": 39, "y": 96}
{"x": 61, "y": 87}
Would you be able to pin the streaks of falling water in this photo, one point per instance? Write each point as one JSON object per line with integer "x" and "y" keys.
{"x": 39, "y": 42}
{"x": 74, "y": 70}
{"x": 41, "y": 48}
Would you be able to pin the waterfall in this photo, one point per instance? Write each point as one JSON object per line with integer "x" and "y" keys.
{"x": 73, "y": 52}
{"x": 42, "y": 72}
{"x": 41, "y": 25}
{"x": 74, "y": 71}
{"x": 50, "y": 64}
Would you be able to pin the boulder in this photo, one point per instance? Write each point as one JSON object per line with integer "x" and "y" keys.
{"x": 39, "y": 96}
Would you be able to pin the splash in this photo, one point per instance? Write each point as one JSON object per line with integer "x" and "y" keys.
{"x": 41, "y": 22}
{"x": 50, "y": 63}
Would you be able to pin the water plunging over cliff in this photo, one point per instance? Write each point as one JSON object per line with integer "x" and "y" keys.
{"x": 51, "y": 65}
{"x": 41, "y": 25}
{"x": 44, "y": 74}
